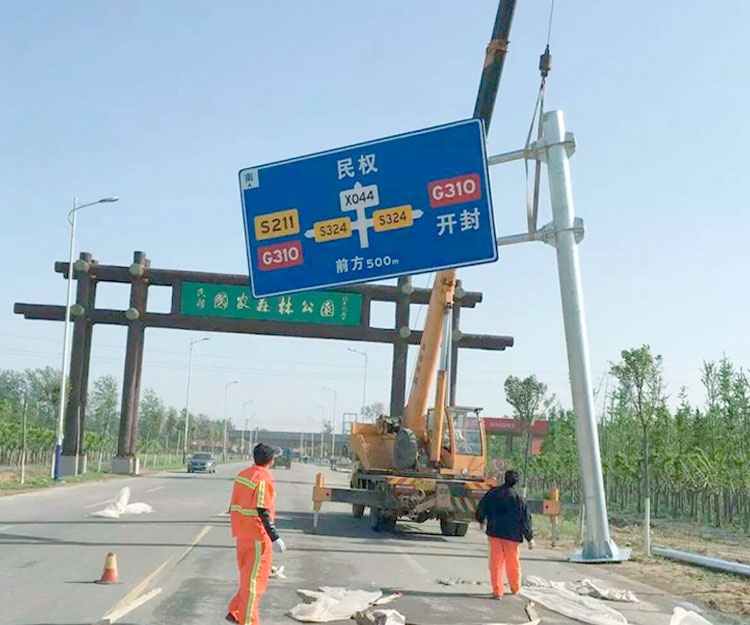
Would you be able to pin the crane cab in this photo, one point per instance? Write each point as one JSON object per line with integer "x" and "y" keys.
{"x": 463, "y": 445}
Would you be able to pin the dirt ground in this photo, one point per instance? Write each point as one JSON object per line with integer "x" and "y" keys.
{"x": 727, "y": 594}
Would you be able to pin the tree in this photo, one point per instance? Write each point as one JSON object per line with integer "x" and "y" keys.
{"x": 373, "y": 411}
{"x": 640, "y": 376}
{"x": 152, "y": 415}
{"x": 529, "y": 399}
{"x": 103, "y": 414}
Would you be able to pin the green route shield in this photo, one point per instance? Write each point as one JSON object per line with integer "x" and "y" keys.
{"x": 235, "y": 302}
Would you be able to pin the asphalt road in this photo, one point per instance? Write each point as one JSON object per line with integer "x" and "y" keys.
{"x": 177, "y": 564}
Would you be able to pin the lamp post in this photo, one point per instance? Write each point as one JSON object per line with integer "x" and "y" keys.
{"x": 187, "y": 398}
{"x": 226, "y": 415}
{"x": 364, "y": 389}
{"x": 242, "y": 445}
{"x": 333, "y": 420}
{"x": 65, "y": 355}
{"x": 322, "y": 420}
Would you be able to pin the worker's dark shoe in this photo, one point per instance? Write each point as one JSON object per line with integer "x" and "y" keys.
{"x": 230, "y": 618}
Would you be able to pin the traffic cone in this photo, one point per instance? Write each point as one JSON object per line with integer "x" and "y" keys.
{"x": 110, "y": 574}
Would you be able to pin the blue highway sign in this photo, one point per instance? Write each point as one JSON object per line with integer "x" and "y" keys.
{"x": 402, "y": 205}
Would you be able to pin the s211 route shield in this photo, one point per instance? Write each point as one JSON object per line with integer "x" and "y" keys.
{"x": 402, "y": 205}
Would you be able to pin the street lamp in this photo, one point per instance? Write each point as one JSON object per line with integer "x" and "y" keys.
{"x": 333, "y": 420}
{"x": 242, "y": 444}
{"x": 364, "y": 389}
{"x": 322, "y": 419}
{"x": 187, "y": 398}
{"x": 226, "y": 413}
{"x": 64, "y": 377}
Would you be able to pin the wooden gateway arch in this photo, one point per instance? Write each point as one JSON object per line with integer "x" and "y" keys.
{"x": 216, "y": 302}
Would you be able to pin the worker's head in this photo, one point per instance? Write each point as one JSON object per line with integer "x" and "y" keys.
{"x": 511, "y": 478}
{"x": 263, "y": 455}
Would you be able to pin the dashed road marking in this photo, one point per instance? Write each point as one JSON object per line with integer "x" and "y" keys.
{"x": 98, "y": 503}
{"x": 151, "y": 490}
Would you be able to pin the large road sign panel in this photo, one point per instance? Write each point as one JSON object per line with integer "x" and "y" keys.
{"x": 402, "y": 205}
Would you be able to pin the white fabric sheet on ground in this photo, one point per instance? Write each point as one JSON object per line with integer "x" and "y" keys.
{"x": 120, "y": 505}
{"x": 380, "y": 617}
{"x": 680, "y": 616}
{"x": 572, "y": 605}
{"x": 330, "y": 603}
{"x": 586, "y": 587}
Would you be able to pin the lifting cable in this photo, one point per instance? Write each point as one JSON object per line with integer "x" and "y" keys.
{"x": 532, "y": 197}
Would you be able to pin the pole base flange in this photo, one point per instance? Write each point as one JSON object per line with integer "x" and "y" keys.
{"x": 601, "y": 553}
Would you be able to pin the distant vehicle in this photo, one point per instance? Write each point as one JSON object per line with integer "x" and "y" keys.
{"x": 201, "y": 461}
{"x": 283, "y": 458}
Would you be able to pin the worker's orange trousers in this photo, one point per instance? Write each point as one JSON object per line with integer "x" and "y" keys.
{"x": 254, "y": 562}
{"x": 505, "y": 555}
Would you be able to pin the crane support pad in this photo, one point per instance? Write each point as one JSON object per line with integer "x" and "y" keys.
{"x": 348, "y": 495}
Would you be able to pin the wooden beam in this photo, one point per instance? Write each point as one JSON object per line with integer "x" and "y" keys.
{"x": 172, "y": 277}
{"x": 257, "y": 326}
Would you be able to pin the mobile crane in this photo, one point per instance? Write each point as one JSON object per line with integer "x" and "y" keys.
{"x": 427, "y": 464}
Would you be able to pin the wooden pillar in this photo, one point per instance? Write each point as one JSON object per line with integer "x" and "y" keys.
{"x": 456, "y": 339}
{"x": 400, "y": 348}
{"x": 128, "y": 437}
{"x": 74, "y": 416}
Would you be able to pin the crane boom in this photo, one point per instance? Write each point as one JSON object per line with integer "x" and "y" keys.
{"x": 443, "y": 290}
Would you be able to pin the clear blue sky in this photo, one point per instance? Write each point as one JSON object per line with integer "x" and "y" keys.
{"x": 163, "y": 102}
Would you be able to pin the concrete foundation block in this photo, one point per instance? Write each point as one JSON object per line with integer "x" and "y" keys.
{"x": 68, "y": 465}
{"x": 126, "y": 466}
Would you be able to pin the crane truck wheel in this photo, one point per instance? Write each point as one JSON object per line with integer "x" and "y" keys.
{"x": 381, "y": 523}
{"x": 461, "y": 529}
{"x": 447, "y": 527}
{"x": 358, "y": 510}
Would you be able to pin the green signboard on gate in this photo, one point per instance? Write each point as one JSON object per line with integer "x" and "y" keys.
{"x": 235, "y": 302}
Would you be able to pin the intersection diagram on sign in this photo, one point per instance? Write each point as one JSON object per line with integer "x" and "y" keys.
{"x": 397, "y": 206}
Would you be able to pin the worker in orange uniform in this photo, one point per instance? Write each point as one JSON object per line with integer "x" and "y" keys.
{"x": 508, "y": 523}
{"x": 252, "y": 512}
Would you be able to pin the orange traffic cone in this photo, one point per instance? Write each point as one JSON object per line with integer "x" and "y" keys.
{"x": 110, "y": 575}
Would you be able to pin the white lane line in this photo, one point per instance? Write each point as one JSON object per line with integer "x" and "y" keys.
{"x": 98, "y": 503}
{"x": 152, "y": 490}
{"x": 134, "y": 595}
{"x": 411, "y": 560}
{"x": 113, "y": 616}
{"x": 199, "y": 537}
{"x": 5, "y": 527}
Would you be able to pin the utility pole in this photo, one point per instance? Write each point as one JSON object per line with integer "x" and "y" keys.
{"x": 333, "y": 421}
{"x": 23, "y": 452}
{"x": 599, "y": 546}
{"x": 226, "y": 414}
{"x": 187, "y": 398}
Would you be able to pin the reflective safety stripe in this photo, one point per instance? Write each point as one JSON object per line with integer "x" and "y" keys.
{"x": 245, "y": 482}
{"x": 253, "y": 598}
{"x": 245, "y": 511}
{"x": 261, "y": 494}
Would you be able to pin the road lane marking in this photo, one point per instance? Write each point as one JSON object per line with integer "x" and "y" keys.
{"x": 411, "y": 560}
{"x": 151, "y": 490}
{"x": 114, "y": 615}
{"x": 5, "y": 527}
{"x": 199, "y": 537}
{"x": 98, "y": 503}
{"x": 134, "y": 594}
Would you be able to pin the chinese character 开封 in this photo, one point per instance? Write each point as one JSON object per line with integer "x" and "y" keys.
{"x": 446, "y": 223}
{"x": 469, "y": 219}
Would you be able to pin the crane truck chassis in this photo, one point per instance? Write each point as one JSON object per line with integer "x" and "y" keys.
{"x": 449, "y": 493}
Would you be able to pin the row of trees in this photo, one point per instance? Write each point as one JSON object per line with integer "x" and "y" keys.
{"x": 689, "y": 462}
{"x": 35, "y": 394}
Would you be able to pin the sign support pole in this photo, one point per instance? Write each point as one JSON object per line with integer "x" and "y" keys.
{"x": 598, "y": 545}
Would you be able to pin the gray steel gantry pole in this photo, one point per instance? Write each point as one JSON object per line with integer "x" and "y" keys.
{"x": 598, "y": 545}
